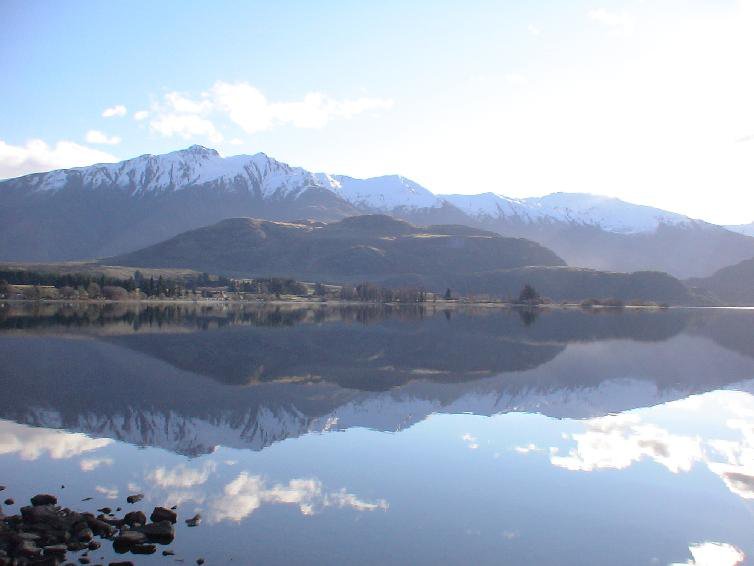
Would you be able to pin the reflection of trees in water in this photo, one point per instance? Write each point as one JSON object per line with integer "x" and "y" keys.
{"x": 138, "y": 316}
{"x": 528, "y": 315}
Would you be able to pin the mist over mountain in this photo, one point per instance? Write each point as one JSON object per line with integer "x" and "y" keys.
{"x": 110, "y": 209}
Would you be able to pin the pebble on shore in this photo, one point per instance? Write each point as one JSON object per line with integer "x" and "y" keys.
{"x": 45, "y": 532}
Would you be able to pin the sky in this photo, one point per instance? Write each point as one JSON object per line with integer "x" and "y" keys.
{"x": 651, "y": 101}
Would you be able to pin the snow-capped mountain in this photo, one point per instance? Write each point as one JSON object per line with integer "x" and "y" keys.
{"x": 106, "y": 210}
{"x": 380, "y": 194}
{"x": 610, "y": 214}
{"x": 191, "y": 167}
{"x": 268, "y": 178}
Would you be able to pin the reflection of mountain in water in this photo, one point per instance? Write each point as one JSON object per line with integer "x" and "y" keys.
{"x": 258, "y": 376}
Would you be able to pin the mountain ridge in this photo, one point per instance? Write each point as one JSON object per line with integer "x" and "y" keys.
{"x": 110, "y": 209}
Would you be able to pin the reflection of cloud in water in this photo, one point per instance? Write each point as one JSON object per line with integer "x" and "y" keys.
{"x": 471, "y": 441}
{"x": 713, "y": 554}
{"x": 180, "y": 497}
{"x": 181, "y": 476}
{"x": 617, "y": 441}
{"x": 247, "y": 493}
{"x": 109, "y": 492}
{"x": 91, "y": 464}
{"x": 737, "y": 467}
{"x": 30, "y": 443}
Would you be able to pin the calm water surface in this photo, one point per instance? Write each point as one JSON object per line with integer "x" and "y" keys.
{"x": 374, "y": 436}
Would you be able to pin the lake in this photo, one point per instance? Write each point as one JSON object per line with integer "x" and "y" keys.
{"x": 382, "y": 435}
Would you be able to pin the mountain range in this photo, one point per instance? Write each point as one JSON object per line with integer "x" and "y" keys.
{"x": 111, "y": 209}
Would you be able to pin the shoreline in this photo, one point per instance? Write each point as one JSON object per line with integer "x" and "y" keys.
{"x": 336, "y": 302}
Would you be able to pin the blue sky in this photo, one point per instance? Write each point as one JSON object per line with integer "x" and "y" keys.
{"x": 648, "y": 100}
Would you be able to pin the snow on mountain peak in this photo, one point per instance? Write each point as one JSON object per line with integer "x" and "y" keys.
{"x": 194, "y": 166}
{"x": 608, "y": 213}
{"x": 383, "y": 194}
{"x": 260, "y": 174}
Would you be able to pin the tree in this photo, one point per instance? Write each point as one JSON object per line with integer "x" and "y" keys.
{"x": 319, "y": 289}
{"x": 68, "y": 292}
{"x": 448, "y": 294}
{"x": 114, "y": 293}
{"x": 93, "y": 290}
{"x": 529, "y": 296}
{"x": 32, "y": 293}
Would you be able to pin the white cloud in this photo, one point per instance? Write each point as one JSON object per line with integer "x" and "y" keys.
{"x": 140, "y": 115}
{"x": 185, "y": 126}
{"x": 31, "y": 443}
{"x": 247, "y": 493}
{"x": 526, "y": 449}
{"x": 36, "y": 155}
{"x": 91, "y": 464}
{"x": 534, "y": 30}
{"x": 95, "y": 136}
{"x": 236, "y": 141}
{"x": 184, "y": 105}
{"x": 714, "y": 554}
{"x": 247, "y": 107}
{"x": 118, "y": 110}
{"x": 619, "y": 21}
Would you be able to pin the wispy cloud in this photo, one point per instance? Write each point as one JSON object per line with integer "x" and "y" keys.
{"x": 109, "y": 492}
{"x": 471, "y": 441}
{"x": 181, "y": 476}
{"x": 95, "y": 136}
{"x": 140, "y": 115}
{"x": 115, "y": 111}
{"x": 91, "y": 464}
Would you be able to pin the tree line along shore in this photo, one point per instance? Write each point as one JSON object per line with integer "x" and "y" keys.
{"x": 26, "y": 285}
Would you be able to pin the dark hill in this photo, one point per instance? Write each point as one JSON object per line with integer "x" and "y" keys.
{"x": 732, "y": 285}
{"x": 371, "y": 247}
